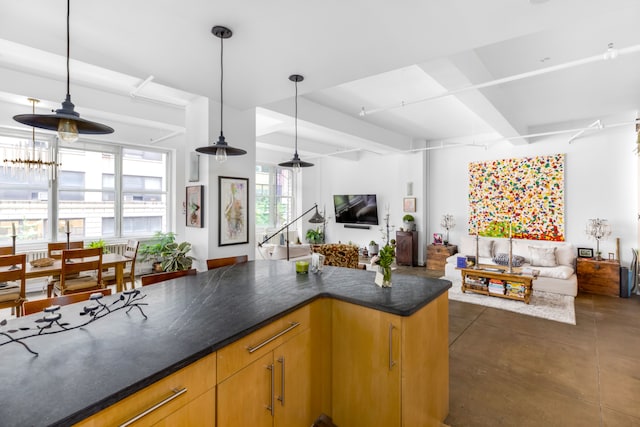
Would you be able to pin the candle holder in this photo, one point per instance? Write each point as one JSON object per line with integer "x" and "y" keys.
{"x": 476, "y": 266}
{"x": 13, "y": 245}
{"x": 68, "y": 233}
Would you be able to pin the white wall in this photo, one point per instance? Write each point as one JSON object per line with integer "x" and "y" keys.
{"x": 600, "y": 181}
{"x": 385, "y": 176}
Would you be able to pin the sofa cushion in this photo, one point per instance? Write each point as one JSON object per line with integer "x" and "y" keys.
{"x": 503, "y": 259}
{"x": 543, "y": 256}
{"x": 557, "y": 272}
{"x": 468, "y": 246}
{"x": 280, "y": 251}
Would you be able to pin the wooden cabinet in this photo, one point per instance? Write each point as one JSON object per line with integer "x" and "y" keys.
{"x": 385, "y": 371}
{"x": 366, "y": 366}
{"x": 282, "y": 384}
{"x": 598, "y": 277}
{"x": 437, "y": 255}
{"x": 407, "y": 248}
{"x": 184, "y": 398}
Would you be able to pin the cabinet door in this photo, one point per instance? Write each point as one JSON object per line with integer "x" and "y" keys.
{"x": 293, "y": 386}
{"x": 247, "y": 397}
{"x": 366, "y": 366}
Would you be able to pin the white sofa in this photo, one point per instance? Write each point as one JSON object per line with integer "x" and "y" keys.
{"x": 555, "y": 261}
{"x": 274, "y": 252}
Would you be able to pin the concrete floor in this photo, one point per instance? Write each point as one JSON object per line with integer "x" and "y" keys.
{"x": 508, "y": 369}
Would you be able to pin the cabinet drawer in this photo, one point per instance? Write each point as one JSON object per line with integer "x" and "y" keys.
{"x": 247, "y": 349}
{"x": 196, "y": 379}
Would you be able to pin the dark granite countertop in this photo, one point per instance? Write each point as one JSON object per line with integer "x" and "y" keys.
{"x": 80, "y": 372}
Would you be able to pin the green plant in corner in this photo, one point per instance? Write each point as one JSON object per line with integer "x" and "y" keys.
{"x": 407, "y": 218}
{"x": 314, "y": 236}
{"x": 152, "y": 250}
{"x": 175, "y": 258}
{"x": 99, "y": 244}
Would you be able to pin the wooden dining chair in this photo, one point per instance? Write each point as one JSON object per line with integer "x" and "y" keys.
{"x": 150, "y": 279}
{"x": 13, "y": 268}
{"x": 54, "y": 251}
{"x": 35, "y": 306}
{"x": 6, "y": 250}
{"x": 221, "y": 262}
{"x": 80, "y": 271}
{"x": 129, "y": 273}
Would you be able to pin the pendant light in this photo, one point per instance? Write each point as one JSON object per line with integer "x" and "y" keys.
{"x": 29, "y": 160}
{"x": 65, "y": 121}
{"x": 221, "y": 149}
{"x": 295, "y": 162}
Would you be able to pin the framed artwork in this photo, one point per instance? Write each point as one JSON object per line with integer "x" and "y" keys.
{"x": 409, "y": 204}
{"x": 194, "y": 206}
{"x": 437, "y": 238}
{"x": 585, "y": 252}
{"x": 233, "y": 218}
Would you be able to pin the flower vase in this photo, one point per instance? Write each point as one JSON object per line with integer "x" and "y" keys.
{"x": 383, "y": 276}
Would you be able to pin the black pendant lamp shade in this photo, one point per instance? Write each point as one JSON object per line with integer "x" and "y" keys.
{"x": 65, "y": 120}
{"x": 295, "y": 162}
{"x": 221, "y": 149}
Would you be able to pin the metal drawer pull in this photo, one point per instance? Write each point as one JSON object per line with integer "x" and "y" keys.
{"x": 391, "y": 361}
{"x": 272, "y": 404}
{"x": 176, "y": 392}
{"x": 267, "y": 341}
{"x": 281, "y": 398}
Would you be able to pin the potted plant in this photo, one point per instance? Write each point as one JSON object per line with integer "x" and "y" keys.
{"x": 152, "y": 251}
{"x": 314, "y": 236}
{"x": 99, "y": 244}
{"x": 409, "y": 223}
{"x": 175, "y": 258}
{"x": 373, "y": 248}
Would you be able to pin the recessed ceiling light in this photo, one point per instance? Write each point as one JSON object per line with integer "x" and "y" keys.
{"x": 545, "y": 59}
{"x": 537, "y": 1}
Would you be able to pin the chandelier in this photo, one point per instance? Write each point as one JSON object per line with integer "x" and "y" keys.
{"x": 29, "y": 160}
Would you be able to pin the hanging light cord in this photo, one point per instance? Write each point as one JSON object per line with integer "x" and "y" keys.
{"x": 68, "y": 37}
{"x": 221, "y": 79}
{"x": 296, "y": 122}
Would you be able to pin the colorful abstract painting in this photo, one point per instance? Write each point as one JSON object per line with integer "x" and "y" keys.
{"x": 522, "y": 198}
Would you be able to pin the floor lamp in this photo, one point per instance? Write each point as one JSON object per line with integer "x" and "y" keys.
{"x": 315, "y": 219}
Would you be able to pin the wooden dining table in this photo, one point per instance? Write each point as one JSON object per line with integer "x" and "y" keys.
{"x": 108, "y": 260}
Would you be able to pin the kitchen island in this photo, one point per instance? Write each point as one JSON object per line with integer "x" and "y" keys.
{"x": 205, "y": 318}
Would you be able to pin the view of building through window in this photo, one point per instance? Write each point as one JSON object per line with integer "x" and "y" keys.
{"x": 100, "y": 192}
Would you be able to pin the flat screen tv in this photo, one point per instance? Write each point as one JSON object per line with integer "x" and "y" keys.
{"x": 356, "y": 209}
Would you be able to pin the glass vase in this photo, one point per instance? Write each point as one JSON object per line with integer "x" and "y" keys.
{"x": 386, "y": 276}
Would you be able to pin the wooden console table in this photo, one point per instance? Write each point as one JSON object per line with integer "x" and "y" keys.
{"x": 516, "y": 286}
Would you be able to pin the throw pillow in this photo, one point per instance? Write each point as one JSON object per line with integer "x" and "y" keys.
{"x": 503, "y": 259}
{"x": 468, "y": 246}
{"x": 543, "y": 257}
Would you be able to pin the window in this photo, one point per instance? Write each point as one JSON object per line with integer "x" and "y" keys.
{"x": 275, "y": 202}
{"x": 102, "y": 190}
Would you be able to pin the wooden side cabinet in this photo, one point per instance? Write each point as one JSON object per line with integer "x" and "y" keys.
{"x": 598, "y": 277}
{"x": 437, "y": 255}
{"x": 407, "y": 248}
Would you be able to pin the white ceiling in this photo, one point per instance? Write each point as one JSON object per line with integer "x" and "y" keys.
{"x": 374, "y": 54}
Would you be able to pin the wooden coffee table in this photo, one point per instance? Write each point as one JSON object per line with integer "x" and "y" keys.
{"x": 488, "y": 280}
